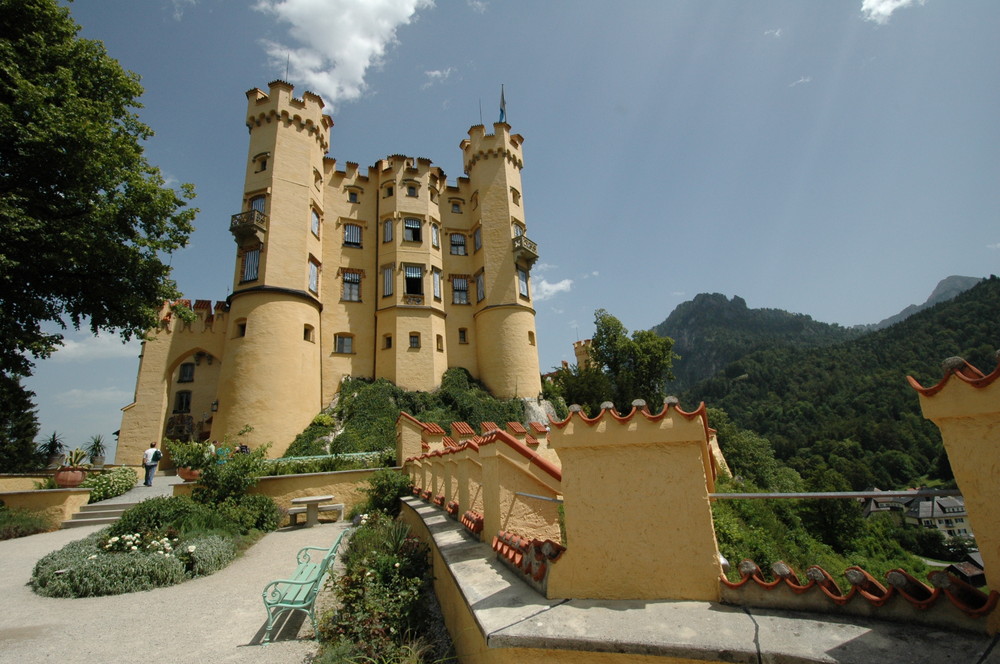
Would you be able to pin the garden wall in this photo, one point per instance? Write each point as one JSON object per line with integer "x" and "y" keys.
{"x": 56, "y": 505}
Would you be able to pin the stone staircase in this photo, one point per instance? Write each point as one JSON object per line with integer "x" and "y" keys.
{"x": 97, "y": 514}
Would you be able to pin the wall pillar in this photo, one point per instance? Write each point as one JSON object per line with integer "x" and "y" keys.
{"x": 637, "y": 513}
{"x": 965, "y": 406}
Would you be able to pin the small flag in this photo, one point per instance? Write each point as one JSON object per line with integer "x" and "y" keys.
{"x": 503, "y": 106}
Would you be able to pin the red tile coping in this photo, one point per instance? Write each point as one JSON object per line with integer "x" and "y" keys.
{"x": 533, "y": 458}
{"x": 516, "y": 427}
{"x": 473, "y": 522}
{"x": 531, "y": 557}
{"x": 462, "y": 429}
{"x": 449, "y": 441}
{"x": 960, "y": 369}
{"x": 538, "y": 428}
{"x": 439, "y": 500}
{"x": 202, "y": 304}
{"x": 530, "y": 440}
{"x": 486, "y": 427}
{"x": 452, "y": 508}
{"x": 426, "y": 494}
{"x": 429, "y": 427}
{"x": 968, "y": 599}
{"x": 416, "y": 490}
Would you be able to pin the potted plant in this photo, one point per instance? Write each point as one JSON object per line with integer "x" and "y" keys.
{"x": 53, "y": 448}
{"x": 95, "y": 450}
{"x": 73, "y": 471}
{"x": 190, "y": 458}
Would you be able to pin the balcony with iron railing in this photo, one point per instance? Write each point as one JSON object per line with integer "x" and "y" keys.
{"x": 249, "y": 225}
{"x": 525, "y": 250}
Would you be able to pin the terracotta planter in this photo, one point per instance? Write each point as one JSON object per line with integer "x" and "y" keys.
{"x": 69, "y": 478}
{"x": 188, "y": 474}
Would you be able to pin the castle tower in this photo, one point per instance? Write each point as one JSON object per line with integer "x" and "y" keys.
{"x": 504, "y": 317}
{"x": 272, "y": 362}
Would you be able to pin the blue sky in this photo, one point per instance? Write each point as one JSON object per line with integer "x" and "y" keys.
{"x": 835, "y": 159}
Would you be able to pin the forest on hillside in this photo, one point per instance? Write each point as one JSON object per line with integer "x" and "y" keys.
{"x": 847, "y": 406}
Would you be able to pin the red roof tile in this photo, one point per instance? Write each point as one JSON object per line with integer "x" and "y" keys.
{"x": 462, "y": 429}
{"x": 516, "y": 427}
{"x": 962, "y": 370}
{"x": 538, "y": 427}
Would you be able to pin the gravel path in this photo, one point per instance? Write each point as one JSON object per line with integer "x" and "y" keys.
{"x": 218, "y": 618}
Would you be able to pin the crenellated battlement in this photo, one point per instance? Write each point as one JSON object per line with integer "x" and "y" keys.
{"x": 500, "y": 144}
{"x": 279, "y": 104}
{"x": 208, "y": 319}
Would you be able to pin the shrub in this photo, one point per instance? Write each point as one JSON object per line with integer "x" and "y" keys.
{"x": 231, "y": 479}
{"x": 251, "y": 512}
{"x": 206, "y": 554}
{"x": 193, "y": 454}
{"x": 385, "y": 488}
{"x": 156, "y": 515}
{"x": 19, "y": 523}
{"x": 85, "y": 571}
{"x": 111, "y": 484}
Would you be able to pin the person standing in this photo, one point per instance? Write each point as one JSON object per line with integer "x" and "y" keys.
{"x": 150, "y": 458}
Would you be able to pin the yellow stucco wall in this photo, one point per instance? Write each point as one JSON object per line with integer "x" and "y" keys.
{"x": 20, "y": 482}
{"x": 56, "y": 505}
{"x": 619, "y": 530}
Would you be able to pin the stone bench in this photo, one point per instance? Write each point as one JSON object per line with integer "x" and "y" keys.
{"x": 294, "y": 512}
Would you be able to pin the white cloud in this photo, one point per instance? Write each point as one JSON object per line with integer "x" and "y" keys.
{"x": 879, "y": 11}
{"x": 180, "y": 5}
{"x": 678, "y": 293}
{"x": 545, "y": 289}
{"x": 437, "y": 76}
{"x": 90, "y": 347}
{"x": 995, "y": 245}
{"x": 804, "y": 79}
{"x": 776, "y": 33}
{"x": 339, "y": 40}
{"x": 542, "y": 267}
{"x": 478, "y": 6}
{"x": 91, "y": 398}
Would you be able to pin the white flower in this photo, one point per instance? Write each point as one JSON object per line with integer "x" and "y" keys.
{"x": 192, "y": 548}
{"x": 92, "y": 556}
{"x": 396, "y": 565}
{"x": 135, "y": 548}
{"x": 113, "y": 540}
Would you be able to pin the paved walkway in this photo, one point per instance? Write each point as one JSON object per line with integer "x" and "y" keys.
{"x": 218, "y": 618}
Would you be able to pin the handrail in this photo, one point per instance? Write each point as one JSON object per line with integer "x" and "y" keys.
{"x": 839, "y": 494}
{"x": 531, "y": 495}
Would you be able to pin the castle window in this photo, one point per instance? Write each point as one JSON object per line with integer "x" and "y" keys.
{"x": 352, "y": 197}
{"x": 458, "y": 244}
{"x": 435, "y": 236}
{"x": 314, "y": 269}
{"x": 456, "y": 208}
{"x": 480, "y": 287}
{"x": 515, "y": 196}
{"x": 411, "y": 229}
{"x": 463, "y": 335}
{"x": 343, "y": 344}
{"x": 387, "y": 281}
{"x": 182, "y": 402}
{"x": 436, "y": 282}
{"x": 352, "y": 235}
{"x": 411, "y": 191}
{"x": 314, "y": 222}
{"x": 522, "y": 282}
{"x": 260, "y": 162}
{"x": 240, "y": 329}
{"x": 388, "y": 192}
{"x": 317, "y": 179}
{"x": 186, "y": 373}
{"x": 388, "y": 342}
{"x": 352, "y": 287}
{"x": 459, "y": 290}
{"x": 414, "y": 279}
{"x": 257, "y": 203}
{"x": 414, "y": 340}
{"x": 477, "y": 238}
{"x": 309, "y": 333}
{"x": 387, "y": 230}
{"x": 531, "y": 338}
{"x": 440, "y": 343}
{"x": 251, "y": 264}
{"x": 518, "y": 230}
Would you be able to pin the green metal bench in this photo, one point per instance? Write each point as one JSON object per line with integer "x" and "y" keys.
{"x": 298, "y": 593}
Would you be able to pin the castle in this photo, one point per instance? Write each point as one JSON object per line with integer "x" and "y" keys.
{"x": 389, "y": 273}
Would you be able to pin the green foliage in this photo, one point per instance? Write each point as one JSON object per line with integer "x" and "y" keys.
{"x": 329, "y": 463}
{"x": 231, "y": 479}
{"x": 309, "y": 443}
{"x": 110, "y": 484}
{"x": 53, "y": 445}
{"x": 74, "y": 458}
{"x": 95, "y": 447}
{"x": 18, "y": 428}
{"x": 87, "y": 219}
{"x": 637, "y": 366}
{"x": 386, "y": 572}
{"x": 194, "y": 454}
{"x": 587, "y": 387}
{"x": 385, "y": 488}
{"x": 206, "y": 554}
{"x": 847, "y": 406}
{"x": 155, "y": 515}
{"x": 251, "y": 512}
{"x": 19, "y": 523}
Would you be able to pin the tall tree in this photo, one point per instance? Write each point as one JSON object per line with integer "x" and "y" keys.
{"x": 85, "y": 217}
{"x": 637, "y": 366}
{"x": 18, "y": 428}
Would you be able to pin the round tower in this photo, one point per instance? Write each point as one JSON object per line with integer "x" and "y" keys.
{"x": 270, "y": 377}
{"x": 504, "y": 315}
